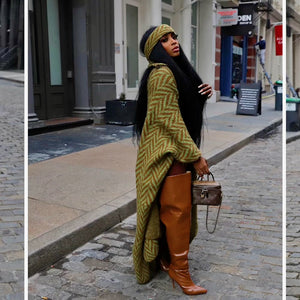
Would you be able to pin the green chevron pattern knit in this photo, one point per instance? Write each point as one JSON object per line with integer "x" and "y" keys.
{"x": 163, "y": 139}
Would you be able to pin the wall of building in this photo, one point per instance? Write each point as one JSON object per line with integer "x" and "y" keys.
{"x": 296, "y": 55}
{"x": 273, "y": 63}
{"x": 208, "y": 42}
{"x": 292, "y": 43}
{"x": 150, "y": 14}
{"x": 251, "y": 61}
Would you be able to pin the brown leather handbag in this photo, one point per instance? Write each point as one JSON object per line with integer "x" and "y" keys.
{"x": 207, "y": 192}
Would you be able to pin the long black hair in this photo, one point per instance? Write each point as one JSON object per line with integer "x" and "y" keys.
{"x": 191, "y": 103}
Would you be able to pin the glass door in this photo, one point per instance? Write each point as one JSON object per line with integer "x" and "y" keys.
{"x": 131, "y": 49}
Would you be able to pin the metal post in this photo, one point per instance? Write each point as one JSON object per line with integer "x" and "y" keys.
{"x": 4, "y": 24}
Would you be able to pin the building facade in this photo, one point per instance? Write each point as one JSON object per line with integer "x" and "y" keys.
{"x": 293, "y": 44}
{"x": 84, "y": 52}
{"x": 266, "y": 25}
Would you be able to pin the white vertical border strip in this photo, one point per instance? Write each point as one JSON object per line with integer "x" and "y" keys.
{"x": 284, "y": 150}
{"x": 25, "y": 149}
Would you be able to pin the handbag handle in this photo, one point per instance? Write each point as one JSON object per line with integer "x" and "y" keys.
{"x": 210, "y": 174}
{"x": 211, "y": 232}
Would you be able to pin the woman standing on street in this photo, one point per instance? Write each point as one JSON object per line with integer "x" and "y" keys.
{"x": 168, "y": 126}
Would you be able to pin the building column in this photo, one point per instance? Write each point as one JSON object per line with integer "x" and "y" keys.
{"x": 94, "y": 61}
{"x": 289, "y": 58}
{"x": 81, "y": 85}
{"x": 186, "y": 35}
{"x": 296, "y": 61}
{"x": 270, "y": 52}
{"x": 151, "y": 13}
{"x": 207, "y": 44}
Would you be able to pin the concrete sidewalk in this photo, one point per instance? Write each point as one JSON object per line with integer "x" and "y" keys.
{"x": 12, "y": 75}
{"x": 292, "y": 136}
{"x": 75, "y": 197}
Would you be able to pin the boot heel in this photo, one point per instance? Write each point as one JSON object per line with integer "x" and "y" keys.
{"x": 173, "y": 281}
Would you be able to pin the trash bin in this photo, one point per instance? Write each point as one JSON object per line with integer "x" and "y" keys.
{"x": 292, "y": 114}
{"x": 278, "y": 95}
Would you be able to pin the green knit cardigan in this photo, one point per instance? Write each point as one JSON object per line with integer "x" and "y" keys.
{"x": 163, "y": 139}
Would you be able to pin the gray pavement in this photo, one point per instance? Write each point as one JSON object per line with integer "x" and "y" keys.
{"x": 292, "y": 136}
{"x": 12, "y": 75}
{"x": 75, "y": 197}
{"x": 241, "y": 260}
{"x": 293, "y": 219}
{"x": 11, "y": 190}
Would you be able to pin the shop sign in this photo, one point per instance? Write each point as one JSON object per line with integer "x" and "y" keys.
{"x": 278, "y": 39}
{"x": 249, "y": 102}
{"x": 245, "y": 23}
{"x": 227, "y": 17}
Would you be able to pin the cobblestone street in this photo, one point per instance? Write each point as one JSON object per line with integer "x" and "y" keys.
{"x": 11, "y": 190}
{"x": 241, "y": 260}
{"x": 293, "y": 220}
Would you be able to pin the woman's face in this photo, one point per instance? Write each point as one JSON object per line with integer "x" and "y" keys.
{"x": 170, "y": 43}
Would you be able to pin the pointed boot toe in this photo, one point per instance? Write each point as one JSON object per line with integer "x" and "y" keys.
{"x": 183, "y": 279}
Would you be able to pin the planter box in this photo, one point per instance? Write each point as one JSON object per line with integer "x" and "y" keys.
{"x": 120, "y": 112}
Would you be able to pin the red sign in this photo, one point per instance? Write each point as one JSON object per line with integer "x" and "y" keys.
{"x": 227, "y": 17}
{"x": 278, "y": 39}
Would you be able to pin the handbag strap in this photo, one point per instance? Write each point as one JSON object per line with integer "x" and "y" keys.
{"x": 210, "y": 174}
{"x": 211, "y": 232}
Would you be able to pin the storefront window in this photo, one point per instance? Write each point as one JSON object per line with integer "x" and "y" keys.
{"x": 237, "y": 71}
{"x": 165, "y": 20}
{"x": 132, "y": 45}
{"x": 54, "y": 42}
{"x": 170, "y": 2}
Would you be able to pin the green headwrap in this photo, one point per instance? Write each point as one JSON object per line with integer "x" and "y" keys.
{"x": 154, "y": 37}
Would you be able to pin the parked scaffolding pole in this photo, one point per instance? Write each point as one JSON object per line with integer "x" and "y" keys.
{"x": 264, "y": 70}
{"x": 290, "y": 86}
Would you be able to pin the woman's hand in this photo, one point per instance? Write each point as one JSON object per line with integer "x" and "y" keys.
{"x": 201, "y": 166}
{"x": 205, "y": 89}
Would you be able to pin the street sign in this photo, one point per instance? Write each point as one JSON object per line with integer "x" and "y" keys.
{"x": 278, "y": 40}
{"x": 227, "y": 17}
{"x": 249, "y": 102}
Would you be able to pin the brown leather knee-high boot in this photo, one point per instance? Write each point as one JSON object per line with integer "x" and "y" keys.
{"x": 175, "y": 213}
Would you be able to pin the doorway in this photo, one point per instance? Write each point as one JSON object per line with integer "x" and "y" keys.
{"x": 51, "y": 56}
